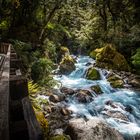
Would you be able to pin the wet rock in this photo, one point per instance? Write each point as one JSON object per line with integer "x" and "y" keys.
{"x": 129, "y": 109}
{"x": 67, "y": 65}
{"x": 116, "y": 115}
{"x": 57, "y": 120}
{"x": 67, "y": 91}
{"x": 108, "y": 57}
{"x": 135, "y": 82}
{"x": 56, "y": 98}
{"x": 48, "y": 109}
{"x": 65, "y": 111}
{"x": 115, "y": 110}
{"x": 88, "y": 64}
{"x": 94, "y": 129}
{"x": 93, "y": 74}
{"x": 115, "y": 81}
{"x": 59, "y": 131}
{"x": 83, "y": 96}
{"x": 97, "y": 89}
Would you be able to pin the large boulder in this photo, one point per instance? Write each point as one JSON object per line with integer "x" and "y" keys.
{"x": 67, "y": 65}
{"x": 93, "y": 74}
{"x": 94, "y": 129}
{"x": 108, "y": 57}
{"x": 136, "y": 59}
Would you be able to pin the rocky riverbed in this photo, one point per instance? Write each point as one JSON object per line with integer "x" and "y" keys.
{"x": 103, "y": 108}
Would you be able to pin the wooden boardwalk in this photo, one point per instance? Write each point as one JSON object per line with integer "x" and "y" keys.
{"x": 17, "y": 118}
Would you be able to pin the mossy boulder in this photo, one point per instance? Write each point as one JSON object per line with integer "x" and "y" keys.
{"x": 43, "y": 122}
{"x": 67, "y": 65}
{"x": 108, "y": 57}
{"x": 95, "y": 52}
{"x": 97, "y": 89}
{"x": 93, "y": 74}
{"x": 136, "y": 59}
{"x": 115, "y": 81}
{"x": 64, "y": 51}
{"x": 60, "y": 137}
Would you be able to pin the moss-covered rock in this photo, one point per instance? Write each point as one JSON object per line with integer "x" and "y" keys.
{"x": 115, "y": 81}
{"x": 60, "y": 137}
{"x": 43, "y": 122}
{"x": 95, "y": 52}
{"x": 64, "y": 50}
{"x": 108, "y": 57}
{"x": 67, "y": 65}
{"x": 136, "y": 59}
{"x": 93, "y": 74}
{"x": 97, "y": 89}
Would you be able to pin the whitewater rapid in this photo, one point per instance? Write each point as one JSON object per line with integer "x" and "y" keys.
{"x": 122, "y": 97}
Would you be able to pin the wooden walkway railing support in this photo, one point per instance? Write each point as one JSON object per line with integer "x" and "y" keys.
{"x": 17, "y": 117}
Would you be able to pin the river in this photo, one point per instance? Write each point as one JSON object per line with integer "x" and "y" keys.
{"x": 122, "y": 98}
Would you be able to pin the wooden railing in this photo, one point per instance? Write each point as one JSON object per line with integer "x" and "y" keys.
{"x": 17, "y": 117}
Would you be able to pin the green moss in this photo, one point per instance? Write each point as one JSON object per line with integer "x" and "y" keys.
{"x": 108, "y": 57}
{"x": 4, "y": 25}
{"x": 64, "y": 50}
{"x": 93, "y": 54}
{"x": 67, "y": 65}
{"x": 43, "y": 122}
{"x": 93, "y": 74}
{"x": 136, "y": 59}
{"x": 115, "y": 82}
{"x": 97, "y": 89}
{"x": 59, "y": 137}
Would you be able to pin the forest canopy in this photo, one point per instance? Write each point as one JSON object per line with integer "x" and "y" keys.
{"x": 80, "y": 25}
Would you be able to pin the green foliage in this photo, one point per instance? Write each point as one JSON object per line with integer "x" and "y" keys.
{"x": 23, "y": 50}
{"x": 4, "y": 25}
{"x": 41, "y": 68}
{"x": 33, "y": 88}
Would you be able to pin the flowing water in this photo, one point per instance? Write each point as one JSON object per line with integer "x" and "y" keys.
{"x": 122, "y": 98}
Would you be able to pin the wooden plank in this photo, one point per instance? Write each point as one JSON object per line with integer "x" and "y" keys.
{"x": 4, "y": 101}
{"x": 4, "y": 110}
{"x": 34, "y": 128}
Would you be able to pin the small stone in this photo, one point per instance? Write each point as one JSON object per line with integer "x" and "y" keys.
{"x": 67, "y": 91}
{"x": 56, "y": 98}
{"x": 97, "y": 89}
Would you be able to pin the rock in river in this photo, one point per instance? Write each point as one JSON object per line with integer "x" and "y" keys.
{"x": 67, "y": 91}
{"x": 67, "y": 65}
{"x": 108, "y": 57}
{"x": 93, "y": 74}
{"x": 83, "y": 96}
{"x": 97, "y": 89}
{"x": 94, "y": 129}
